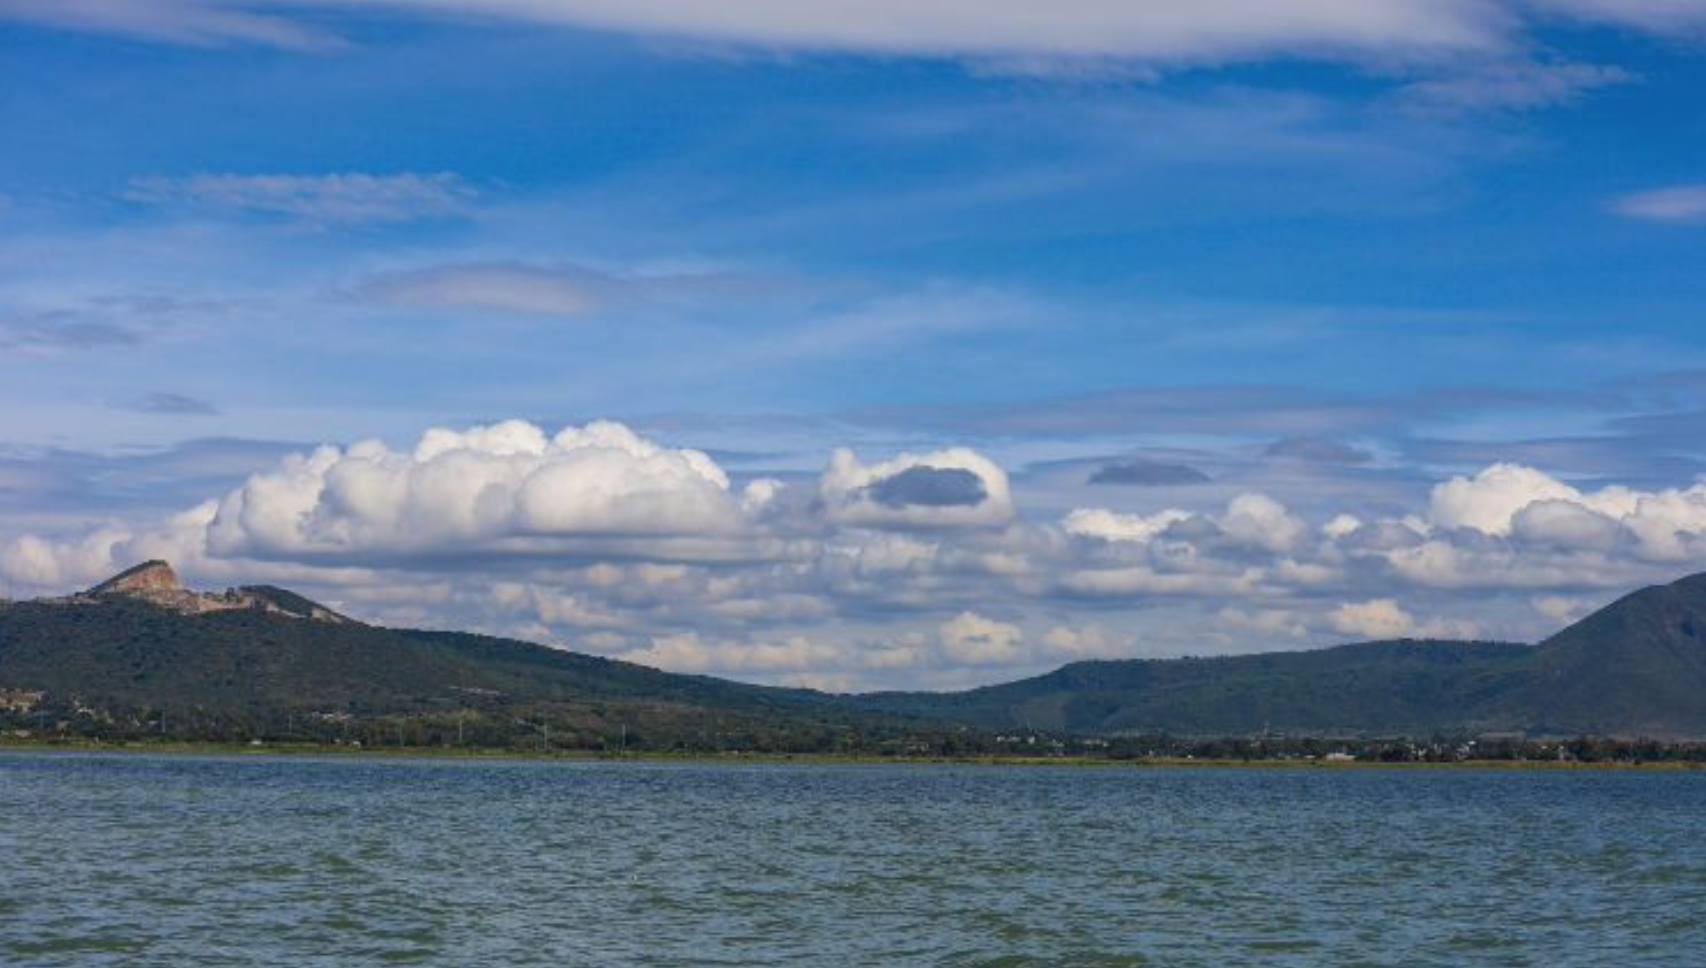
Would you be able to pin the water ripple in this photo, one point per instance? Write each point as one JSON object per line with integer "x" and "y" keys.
{"x": 205, "y": 861}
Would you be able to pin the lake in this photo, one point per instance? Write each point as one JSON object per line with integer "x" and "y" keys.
{"x": 176, "y": 861}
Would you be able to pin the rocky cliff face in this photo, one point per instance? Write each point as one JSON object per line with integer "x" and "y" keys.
{"x": 157, "y": 584}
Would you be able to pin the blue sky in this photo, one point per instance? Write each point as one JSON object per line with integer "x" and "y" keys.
{"x": 1333, "y": 255}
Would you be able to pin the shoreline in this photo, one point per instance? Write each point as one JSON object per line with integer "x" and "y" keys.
{"x": 454, "y": 754}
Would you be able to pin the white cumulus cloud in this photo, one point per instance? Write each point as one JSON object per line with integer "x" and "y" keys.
{"x": 1381, "y": 618}
{"x": 506, "y": 487}
{"x": 1107, "y": 525}
{"x": 971, "y": 639}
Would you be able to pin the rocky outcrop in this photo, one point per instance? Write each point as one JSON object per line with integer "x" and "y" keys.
{"x": 157, "y": 584}
{"x": 148, "y": 578}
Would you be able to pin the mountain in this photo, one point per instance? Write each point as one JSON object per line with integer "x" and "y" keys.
{"x": 1635, "y": 668}
{"x": 140, "y": 648}
{"x": 141, "y": 645}
{"x": 157, "y": 584}
{"x": 1372, "y": 687}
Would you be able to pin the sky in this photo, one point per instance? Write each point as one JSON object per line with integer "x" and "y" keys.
{"x": 867, "y": 344}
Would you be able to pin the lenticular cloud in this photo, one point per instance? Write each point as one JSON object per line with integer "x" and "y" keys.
{"x": 954, "y": 488}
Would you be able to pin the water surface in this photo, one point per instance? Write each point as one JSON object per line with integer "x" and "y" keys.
{"x": 183, "y": 861}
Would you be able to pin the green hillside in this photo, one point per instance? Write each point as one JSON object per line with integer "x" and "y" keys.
{"x": 1374, "y": 687}
{"x": 129, "y": 653}
{"x": 1635, "y": 668}
{"x": 124, "y": 657}
{"x": 148, "y": 651}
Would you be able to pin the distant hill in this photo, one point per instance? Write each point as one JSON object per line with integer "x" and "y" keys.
{"x": 140, "y": 648}
{"x": 1634, "y": 668}
{"x": 1372, "y": 687}
{"x": 140, "y": 645}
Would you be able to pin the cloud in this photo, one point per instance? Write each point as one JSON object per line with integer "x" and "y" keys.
{"x": 1105, "y": 525}
{"x": 42, "y": 484}
{"x": 971, "y": 639}
{"x": 1664, "y": 16}
{"x": 1091, "y": 641}
{"x": 175, "y": 404}
{"x": 930, "y": 487}
{"x": 1563, "y": 609}
{"x": 527, "y": 290}
{"x": 198, "y": 23}
{"x": 915, "y": 568}
{"x": 64, "y": 324}
{"x": 687, "y": 652}
{"x": 551, "y": 289}
{"x": 947, "y": 489}
{"x": 1147, "y": 473}
{"x": 50, "y": 333}
{"x": 1507, "y": 527}
{"x": 1381, "y": 618}
{"x": 1515, "y": 526}
{"x": 1566, "y": 525}
{"x": 504, "y": 488}
{"x": 1263, "y": 621}
{"x": 1681, "y": 204}
{"x": 1317, "y": 450}
{"x": 991, "y": 32}
{"x": 79, "y": 561}
{"x": 1260, "y": 521}
{"x": 1249, "y": 521}
{"x": 351, "y": 197}
{"x": 30, "y": 560}
{"x": 1510, "y": 86}
{"x": 1491, "y": 501}
{"x": 1209, "y": 30}
{"x": 1241, "y": 410}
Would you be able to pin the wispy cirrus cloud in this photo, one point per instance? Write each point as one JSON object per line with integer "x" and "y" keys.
{"x": 1514, "y": 85}
{"x": 170, "y": 404}
{"x": 548, "y": 289}
{"x": 38, "y": 328}
{"x": 1679, "y": 203}
{"x": 196, "y": 23}
{"x": 54, "y": 332}
{"x": 338, "y": 198}
{"x": 1073, "y": 28}
{"x": 1002, "y": 30}
{"x": 1655, "y": 15}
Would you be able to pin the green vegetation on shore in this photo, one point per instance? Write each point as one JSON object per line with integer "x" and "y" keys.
{"x": 1668, "y": 759}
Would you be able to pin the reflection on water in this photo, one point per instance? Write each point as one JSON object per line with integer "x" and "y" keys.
{"x": 131, "y": 860}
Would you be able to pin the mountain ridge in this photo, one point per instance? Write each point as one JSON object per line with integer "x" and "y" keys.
{"x": 1636, "y": 667}
{"x": 142, "y": 641}
{"x": 156, "y": 583}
